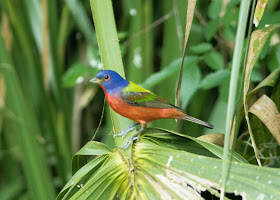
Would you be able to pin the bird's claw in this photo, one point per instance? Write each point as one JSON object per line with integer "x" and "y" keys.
{"x": 125, "y": 145}
{"x": 121, "y": 133}
{"x": 136, "y": 138}
{"x": 126, "y": 131}
{"x": 129, "y": 141}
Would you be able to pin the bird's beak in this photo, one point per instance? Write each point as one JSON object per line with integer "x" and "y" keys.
{"x": 95, "y": 80}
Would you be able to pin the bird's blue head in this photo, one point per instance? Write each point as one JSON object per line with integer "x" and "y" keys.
{"x": 110, "y": 80}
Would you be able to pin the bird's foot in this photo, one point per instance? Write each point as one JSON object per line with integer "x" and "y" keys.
{"x": 134, "y": 137}
{"x": 126, "y": 131}
{"x": 129, "y": 141}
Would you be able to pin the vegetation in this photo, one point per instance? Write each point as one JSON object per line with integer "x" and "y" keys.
{"x": 56, "y": 129}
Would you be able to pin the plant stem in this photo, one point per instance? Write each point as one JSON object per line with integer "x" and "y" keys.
{"x": 109, "y": 50}
{"x": 242, "y": 21}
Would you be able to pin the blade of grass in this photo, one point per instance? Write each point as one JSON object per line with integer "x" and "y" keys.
{"x": 35, "y": 17}
{"x": 243, "y": 15}
{"x": 26, "y": 54}
{"x": 135, "y": 48}
{"x": 63, "y": 114}
{"x": 31, "y": 72}
{"x": 237, "y": 117}
{"x": 25, "y": 128}
{"x": 62, "y": 36}
{"x": 45, "y": 53}
{"x": 140, "y": 52}
{"x": 81, "y": 18}
{"x": 148, "y": 39}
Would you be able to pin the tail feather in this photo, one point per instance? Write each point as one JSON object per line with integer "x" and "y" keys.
{"x": 197, "y": 121}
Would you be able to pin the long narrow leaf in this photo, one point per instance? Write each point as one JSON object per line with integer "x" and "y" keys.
{"x": 24, "y": 127}
{"x": 190, "y": 13}
{"x": 243, "y": 15}
{"x": 109, "y": 49}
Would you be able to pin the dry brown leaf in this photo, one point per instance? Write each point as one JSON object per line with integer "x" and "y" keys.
{"x": 265, "y": 109}
{"x": 190, "y": 13}
{"x": 6, "y": 32}
{"x": 214, "y": 138}
{"x": 257, "y": 42}
{"x": 259, "y": 11}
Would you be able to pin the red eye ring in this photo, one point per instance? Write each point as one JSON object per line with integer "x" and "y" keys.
{"x": 107, "y": 77}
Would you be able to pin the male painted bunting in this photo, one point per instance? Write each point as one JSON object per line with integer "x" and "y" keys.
{"x": 138, "y": 104}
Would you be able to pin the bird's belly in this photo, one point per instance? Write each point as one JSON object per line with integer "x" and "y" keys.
{"x": 140, "y": 114}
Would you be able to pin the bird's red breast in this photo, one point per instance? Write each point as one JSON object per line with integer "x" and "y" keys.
{"x": 140, "y": 114}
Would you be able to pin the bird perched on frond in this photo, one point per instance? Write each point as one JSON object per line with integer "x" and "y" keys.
{"x": 138, "y": 104}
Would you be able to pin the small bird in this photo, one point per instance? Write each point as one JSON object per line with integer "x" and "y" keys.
{"x": 138, "y": 104}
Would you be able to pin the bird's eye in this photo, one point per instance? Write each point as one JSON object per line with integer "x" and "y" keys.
{"x": 106, "y": 77}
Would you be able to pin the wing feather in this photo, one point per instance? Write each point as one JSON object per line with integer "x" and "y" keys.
{"x": 135, "y": 95}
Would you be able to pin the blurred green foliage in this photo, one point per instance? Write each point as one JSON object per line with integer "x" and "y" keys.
{"x": 49, "y": 52}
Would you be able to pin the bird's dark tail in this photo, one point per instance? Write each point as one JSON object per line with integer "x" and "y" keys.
{"x": 197, "y": 121}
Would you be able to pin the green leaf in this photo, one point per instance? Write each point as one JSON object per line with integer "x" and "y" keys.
{"x": 229, "y": 33}
{"x": 233, "y": 90}
{"x": 274, "y": 58}
{"x": 224, "y": 90}
{"x": 168, "y": 139}
{"x": 76, "y": 74}
{"x": 230, "y": 17}
{"x": 166, "y": 171}
{"x": 201, "y": 48}
{"x": 112, "y": 171}
{"x": 174, "y": 165}
{"x": 93, "y": 57}
{"x": 211, "y": 28}
{"x": 190, "y": 83}
{"x": 12, "y": 190}
{"x": 91, "y": 148}
{"x": 216, "y": 150}
{"x": 218, "y": 115}
{"x": 214, "y": 9}
{"x": 105, "y": 28}
{"x": 79, "y": 175}
{"x": 270, "y": 18}
{"x": 270, "y": 80}
{"x": 34, "y": 11}
{"x": 256, "y": 75}
{"x": 168, "y": 71}
{"x": 275, "y": 96}
{"x": 24, "y": 129}
{"x": 214, "y": 60}
{"x": 81, "y": 19}
{"x": 214, "y": 79}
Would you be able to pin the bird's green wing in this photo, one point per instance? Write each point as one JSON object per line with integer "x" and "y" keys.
{"x": 135, "y": 95}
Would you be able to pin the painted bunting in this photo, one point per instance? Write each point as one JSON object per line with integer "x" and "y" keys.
{"x": 138, "y": 104}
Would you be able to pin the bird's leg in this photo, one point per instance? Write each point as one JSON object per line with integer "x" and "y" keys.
{"x": 126, "y": 131}
{"x": 134, "y": 137}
